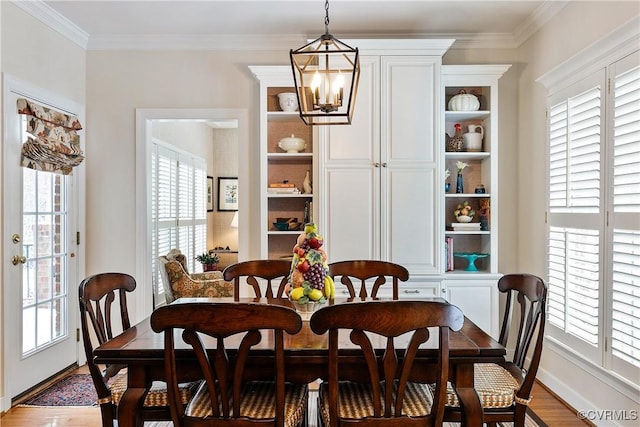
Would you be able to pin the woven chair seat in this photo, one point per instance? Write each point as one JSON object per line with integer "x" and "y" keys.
{"x": 495, "y": 386}
{"x": 157, "y": 395}
{"x": 258, "y": 402}
{"x": 355, "y": 400}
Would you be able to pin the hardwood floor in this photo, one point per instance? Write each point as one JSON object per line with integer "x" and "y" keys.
{"x": 545, "y": 404}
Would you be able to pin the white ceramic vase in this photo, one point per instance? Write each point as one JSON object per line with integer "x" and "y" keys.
{"x": 473, "y": 139}
{"x": 288, "y": 101}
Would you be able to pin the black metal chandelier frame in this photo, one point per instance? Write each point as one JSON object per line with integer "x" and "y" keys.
{"x": 320, "y": 69}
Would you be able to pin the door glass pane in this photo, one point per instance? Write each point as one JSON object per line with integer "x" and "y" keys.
{"x": 44, "y": 232}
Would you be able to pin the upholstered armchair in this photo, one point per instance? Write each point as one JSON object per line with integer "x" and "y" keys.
{"x": 179, "y": 283}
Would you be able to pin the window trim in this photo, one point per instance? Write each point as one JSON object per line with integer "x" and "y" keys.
{"x": 601, "y": 55}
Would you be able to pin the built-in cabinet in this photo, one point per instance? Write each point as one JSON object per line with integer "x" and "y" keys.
{"x": 378, "y": 184}
{"x": 475, "y": 292}
{"x": 279, "y": 166}
{"x": 378, "y": 176}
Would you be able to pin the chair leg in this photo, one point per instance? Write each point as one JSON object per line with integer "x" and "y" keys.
{"x": 108, "y": 414}
{"x": 520, "y": 415}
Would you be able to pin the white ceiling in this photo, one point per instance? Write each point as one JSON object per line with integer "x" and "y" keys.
{"x": 100, "y": 24}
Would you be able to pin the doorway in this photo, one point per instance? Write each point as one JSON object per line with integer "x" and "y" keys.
{"x": 145, "y": 121}
{"x": 41, "y": 224}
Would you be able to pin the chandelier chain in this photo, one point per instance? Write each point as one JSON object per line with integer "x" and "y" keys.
{"x": 326, "y": 16}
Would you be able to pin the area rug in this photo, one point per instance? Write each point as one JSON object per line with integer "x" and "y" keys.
{"x": 72, "y": 390}
{"x": 78, "y": 390}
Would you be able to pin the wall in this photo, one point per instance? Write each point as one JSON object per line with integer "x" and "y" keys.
{"x": 574, "y": 28}
{"x": 224, "y": 164}
{"x": 26, "y": 45}
{"x": 118, "y": 82}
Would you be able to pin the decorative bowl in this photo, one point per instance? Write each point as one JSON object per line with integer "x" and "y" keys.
{"x": 294, "y": 225}
{"x": 464, "y": 218}
{"x": 292, "y": 144}
{"x": 282, "y": 226}
{"x": 306, "y": 310}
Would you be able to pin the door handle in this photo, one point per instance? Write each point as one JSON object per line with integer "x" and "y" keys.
{"x": 18, "y": 259}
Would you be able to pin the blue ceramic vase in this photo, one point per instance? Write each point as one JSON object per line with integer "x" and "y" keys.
{"x": 459, "y": 187}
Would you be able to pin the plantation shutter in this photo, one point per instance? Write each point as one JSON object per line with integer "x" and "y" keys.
{"x": 178, "y": 182}
{"x": 625, "y": 337}
{"x": 575, "y": 225}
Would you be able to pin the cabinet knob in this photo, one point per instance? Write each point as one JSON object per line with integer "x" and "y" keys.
{"x": 376, "y": 164}
{"x": 384, "y": 165}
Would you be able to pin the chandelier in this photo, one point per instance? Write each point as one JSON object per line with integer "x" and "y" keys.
{"x": 326, "y": 72}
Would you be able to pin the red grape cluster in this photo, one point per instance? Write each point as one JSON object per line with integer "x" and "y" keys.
{"x": 315, "y": 276}
{"x": 305, "y": 245}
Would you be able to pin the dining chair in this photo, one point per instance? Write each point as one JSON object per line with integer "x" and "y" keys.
{"x": 384, "y": 394}
{"x": 226, "y": 396}
{"x": 255, "y": 272}
{"x": 103, "y": 297}
{"x": 362, "y": 270}
{"x": 505, "y": 391}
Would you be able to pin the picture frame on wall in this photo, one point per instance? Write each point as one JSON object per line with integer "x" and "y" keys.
{"x": 209, "y": 194}
{"x": 227, "y": 193}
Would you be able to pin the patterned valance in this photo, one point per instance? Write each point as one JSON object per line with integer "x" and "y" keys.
{"x": 53, "y": 144}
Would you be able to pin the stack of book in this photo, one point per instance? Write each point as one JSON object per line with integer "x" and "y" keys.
{"x": 465, "y": 226}
{"x": 282, "y": 188}
{"x": 448, "y": 248}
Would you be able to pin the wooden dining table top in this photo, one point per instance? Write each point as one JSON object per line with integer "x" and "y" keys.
{"x": 140, "y": 342}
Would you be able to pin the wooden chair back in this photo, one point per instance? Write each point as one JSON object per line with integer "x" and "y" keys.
{"x": 388, "y": 374}
{"x": 103, "y": 299}
{"x": 527, "y": 294}
{"x": 224, "y": 374}
{"x": 268, "y": 270}
{"x": 346, "y": 272}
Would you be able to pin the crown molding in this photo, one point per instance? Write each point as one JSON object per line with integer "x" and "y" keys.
{"x": 50, "y": 17}
{"x": 158, "y": 42}
{"x": 538, "y": 18}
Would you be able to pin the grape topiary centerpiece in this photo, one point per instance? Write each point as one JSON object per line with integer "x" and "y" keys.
{"x": 309, "y": 282}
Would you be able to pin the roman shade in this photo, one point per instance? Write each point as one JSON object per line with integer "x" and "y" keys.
{"x": 52, "y": 144}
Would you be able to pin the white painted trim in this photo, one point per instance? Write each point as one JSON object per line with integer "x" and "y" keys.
{"x": 617, "y": 44}
{"x": 144, "y": 302}
{"x": 622, "y": 385}
{"x": 538, "y": 18}
{"x": 54, "y": 20}
{"x": 50, "y": 17}
{"x": 11, "y": 84}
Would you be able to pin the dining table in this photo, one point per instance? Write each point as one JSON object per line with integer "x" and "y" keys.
{"x": 141, "y": 350}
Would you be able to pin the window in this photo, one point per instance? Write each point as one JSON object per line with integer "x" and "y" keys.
{"x": 594, "y": 216}
{"x": 178, "y": 205}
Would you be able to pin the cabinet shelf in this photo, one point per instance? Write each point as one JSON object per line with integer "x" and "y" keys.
{"x": 466, "y": 232}
{"x": 289, "y": 196}
{"x": 466, "y": 115}
{"x": 467, "y": 195}
{"x": 285, "y": 157}
{"x": 284, "y": 115}
{"x": 467, "y": 155}
{"x": 284, "y": 232}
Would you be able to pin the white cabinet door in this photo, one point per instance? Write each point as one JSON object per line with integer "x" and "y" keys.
{"x": 478, "y": 300}
{"x": 408, "y": 103}
{"x": 378, "y": 174}
{"x": 350, "y": 201}
{"x": 351, "y": 213}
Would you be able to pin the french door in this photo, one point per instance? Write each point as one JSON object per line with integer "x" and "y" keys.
{"x": 40, "y": 274}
